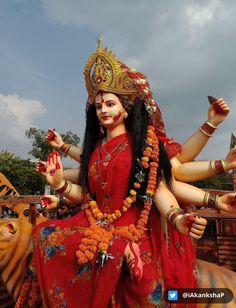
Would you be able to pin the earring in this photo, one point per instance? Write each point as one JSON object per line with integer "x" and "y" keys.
{"x": 125, "y": 115}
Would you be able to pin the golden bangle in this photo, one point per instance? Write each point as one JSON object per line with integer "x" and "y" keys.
{"x": 61, "y": 188}
{"x": 65, "y": 189}
{"x": 212, "y": 199}
{"x": 59, "y": 148}
{"x": 172, "y": 211}
{"x": 205, "y": 133}
{"x": 65, "y": 147}
{"x": 212, "y": 165}
{"x": 207, "y": 129}
{"x": 178, "y": 217}
{"x": 205, "y": 199}
{"x": 68, "y": 189}
{"x": 211, "y": 125}
{"x": 223, "y": 164}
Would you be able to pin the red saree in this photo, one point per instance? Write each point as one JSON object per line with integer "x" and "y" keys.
{"x": 65, "y": 284}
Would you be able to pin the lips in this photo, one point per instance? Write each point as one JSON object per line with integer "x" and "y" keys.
{"x": 105, "y": 118}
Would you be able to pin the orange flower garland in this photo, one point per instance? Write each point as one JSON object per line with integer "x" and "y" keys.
{"x": 98, "y": 236}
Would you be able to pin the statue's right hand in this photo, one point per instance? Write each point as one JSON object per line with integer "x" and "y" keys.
{"x": 50, "y": 202}
{"x": 54, "y": 172}
{"x": 41, "y": 167}
{"x": 54, "y": 138}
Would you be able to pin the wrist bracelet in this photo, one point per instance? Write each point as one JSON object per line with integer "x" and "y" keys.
{"x": 211, "y": 125}
{"x": 207, "y": 129}
{"x": 59, "y": 188}
{"x": 210, "y": 200}
{"x": 205, "y": 199}
{"x": 65, "y": 189}
{"x": 171, "y": 214}
{"x": 62, "y": 201}
{"x": 178, "y": 217}
{"x": 65, "y": 147}
{"x": 205, "y": 133}
{"x": 218, "y": 166}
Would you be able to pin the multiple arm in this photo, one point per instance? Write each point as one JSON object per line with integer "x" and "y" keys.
{"x": 57, "y": 143}
{"x": 198, "y": 170}
{"x": 54, "y": 176}
{"x": 217, "y": 113}
{"x": 188, "y": 194}
{"x": 183, "y": 168}
{"x": 166, "y": 202}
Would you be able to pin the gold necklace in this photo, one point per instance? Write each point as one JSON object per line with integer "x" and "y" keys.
{"x": 108, "y": 155}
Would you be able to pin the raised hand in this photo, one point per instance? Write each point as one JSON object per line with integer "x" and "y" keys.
{"x": 41, "y": 167}
{"x": 54, "y": 138}
{"x": 227, "y": 203}
{"x": 54, "y": 172}
{"x": 192, "y": 225}
{"x": 218, "y": 111}
{"x": 50, "y": 202}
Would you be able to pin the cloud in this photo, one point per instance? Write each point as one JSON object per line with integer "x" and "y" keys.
{"x": 16, "y": 115}
{"x": 186, "y": 48}
{"x": 178, "y": 45}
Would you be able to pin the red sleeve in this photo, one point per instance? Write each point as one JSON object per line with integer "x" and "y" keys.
{"x": 172, "y": 148}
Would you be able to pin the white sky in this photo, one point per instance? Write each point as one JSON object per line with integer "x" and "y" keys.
{"x": 186, "y": 48}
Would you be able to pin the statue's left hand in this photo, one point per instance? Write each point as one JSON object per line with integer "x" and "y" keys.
{"x": 218, "y": 111}
{"x": 192, "y": 225}
{"x": 227, "y": 203}
{"x": 230, "y": 160}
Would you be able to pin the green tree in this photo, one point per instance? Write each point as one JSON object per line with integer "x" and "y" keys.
{"x": 21, "y": 173}
{"x": 41, "y": 147}
{"x": 221, "y": 182}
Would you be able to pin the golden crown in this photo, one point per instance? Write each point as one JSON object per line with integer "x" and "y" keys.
{"x": 104, "y": 72}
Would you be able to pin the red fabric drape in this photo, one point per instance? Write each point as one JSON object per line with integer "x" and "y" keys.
{"x": 65, "y": 284}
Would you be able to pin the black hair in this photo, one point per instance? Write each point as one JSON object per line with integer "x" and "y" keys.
{"x": 140, "y": 120}
{"x": 136, "y": 123}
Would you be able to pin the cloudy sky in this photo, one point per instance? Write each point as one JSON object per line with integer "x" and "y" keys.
{"x": 186, "y": 48}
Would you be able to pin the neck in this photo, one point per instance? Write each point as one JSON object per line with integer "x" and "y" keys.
{"x": 116, "y": 131}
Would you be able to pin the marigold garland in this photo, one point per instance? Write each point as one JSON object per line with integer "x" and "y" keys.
{"x": 98, "y": 236}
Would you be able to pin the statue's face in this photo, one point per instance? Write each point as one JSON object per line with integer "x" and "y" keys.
{"x": 109, "y": 109}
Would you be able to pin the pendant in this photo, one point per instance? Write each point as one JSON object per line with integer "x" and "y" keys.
{"x": 103, "y": 257}
{"x": 104, "y": 223}
{"x": 107, "y": 159}
{"x": 105, "y": 163}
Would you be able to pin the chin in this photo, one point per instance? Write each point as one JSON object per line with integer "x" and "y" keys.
{"x": 107, "y": 123}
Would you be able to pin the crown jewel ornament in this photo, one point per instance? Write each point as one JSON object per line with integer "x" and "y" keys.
{"x": 104, "y": 72}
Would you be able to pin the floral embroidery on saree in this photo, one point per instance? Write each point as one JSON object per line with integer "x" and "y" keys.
{"x": 51, "y": 240}
{"x": 56, "y": 294}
